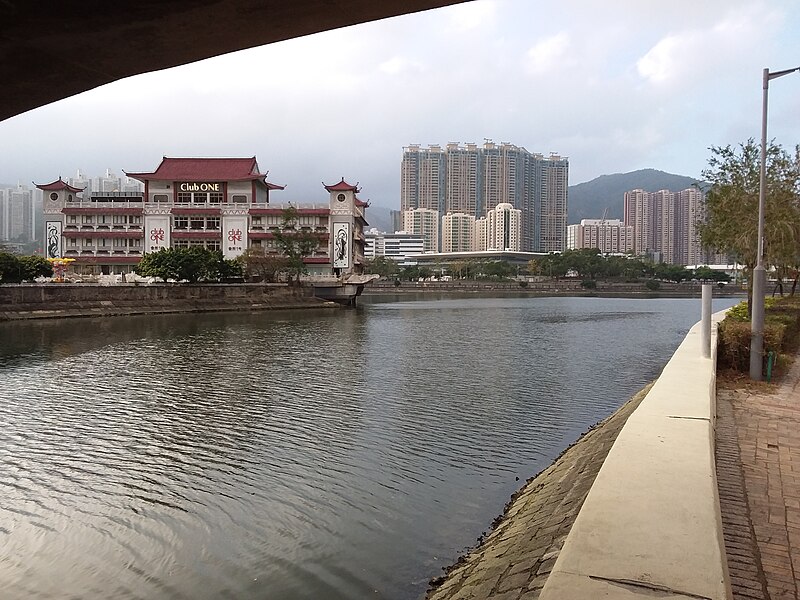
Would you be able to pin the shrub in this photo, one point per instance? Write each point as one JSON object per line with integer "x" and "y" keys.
{"x": 781, "y": 325}
{"x": 589, "y": 284}
{"x": 523, "y": 284}
{"x": 652, "y": 284}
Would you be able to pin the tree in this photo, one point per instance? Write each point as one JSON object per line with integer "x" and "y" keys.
{"x": 191, "y": 264}
{"x": 380, "y": 265}
{"x": 35, "y": 266}
{"x": 295, "y": 244}
{"x": 10, "y": 268}
{"x": 731, "y": 223}
{"x": 264, "y": 267}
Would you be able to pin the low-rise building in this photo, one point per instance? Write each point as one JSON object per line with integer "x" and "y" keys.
{"x": 397, "y": 246}
{"x": 610, "y": 236}
{"x": 217, "y": 203}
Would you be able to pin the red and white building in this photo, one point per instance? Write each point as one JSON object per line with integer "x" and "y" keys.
{"x": 218, "y": 203}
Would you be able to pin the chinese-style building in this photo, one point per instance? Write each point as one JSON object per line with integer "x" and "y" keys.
{"x": 217, "y": 203}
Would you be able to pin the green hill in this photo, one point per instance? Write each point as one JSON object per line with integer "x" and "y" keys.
{"x": 589, "y": 200}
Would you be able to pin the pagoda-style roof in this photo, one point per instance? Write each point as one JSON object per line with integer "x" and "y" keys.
{"x": 206, "y": 169}
{"x": 58, "y": 184}
{"x": 361, "y": 203}
{"x": 342, "y": 186}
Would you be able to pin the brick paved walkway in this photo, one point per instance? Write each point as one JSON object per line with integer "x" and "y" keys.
{"x": 514, "y": 561}
{"x": 758, "y": 469}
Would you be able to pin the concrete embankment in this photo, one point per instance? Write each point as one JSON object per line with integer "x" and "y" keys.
{"x": 564, "y": 287}
{"x": 58, "y": 300}
{"x": 647, "y": 525}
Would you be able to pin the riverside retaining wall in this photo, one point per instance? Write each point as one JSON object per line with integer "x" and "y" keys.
{"x": 76, "y": 300}
{"x": 651, "y": 522}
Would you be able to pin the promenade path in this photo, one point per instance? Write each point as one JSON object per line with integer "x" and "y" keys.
{"x": 758, "y": 472}
{"x": 514, "y": 560}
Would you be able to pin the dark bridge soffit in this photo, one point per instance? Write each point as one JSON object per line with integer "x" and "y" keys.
{"x": 53, "y": 49}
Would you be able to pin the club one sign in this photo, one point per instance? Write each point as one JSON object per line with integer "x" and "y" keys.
{"x": 199, "y": 187}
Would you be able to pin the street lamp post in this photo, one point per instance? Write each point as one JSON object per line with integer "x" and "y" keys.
{"x": 759, "y": 273}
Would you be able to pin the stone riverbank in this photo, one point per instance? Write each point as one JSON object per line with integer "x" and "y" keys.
{"x": 60, "y": 300}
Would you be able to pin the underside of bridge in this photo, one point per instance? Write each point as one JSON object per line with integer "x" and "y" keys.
{"x": 53, "y": 49}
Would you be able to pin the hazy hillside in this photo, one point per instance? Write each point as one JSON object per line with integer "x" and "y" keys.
{"x": 589, "y": 200}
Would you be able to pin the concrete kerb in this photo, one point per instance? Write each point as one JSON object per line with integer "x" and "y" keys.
{"x": 651, "y": 522}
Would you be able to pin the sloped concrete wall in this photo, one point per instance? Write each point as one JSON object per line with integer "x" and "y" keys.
{"x": 651, "y": 526}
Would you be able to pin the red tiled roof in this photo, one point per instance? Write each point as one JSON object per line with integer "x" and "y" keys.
{"x": 342, "y": 186}
{"x": 58, "y": 184}
{"x": 206, "y": 169}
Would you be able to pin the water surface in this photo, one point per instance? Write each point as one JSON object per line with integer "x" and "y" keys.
{"x": 289, "y": 455}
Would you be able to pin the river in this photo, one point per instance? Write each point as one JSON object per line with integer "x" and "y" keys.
{"x": 331, "y": 454}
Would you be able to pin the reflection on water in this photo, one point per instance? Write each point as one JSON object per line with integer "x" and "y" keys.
{"x": 308, "y": 455}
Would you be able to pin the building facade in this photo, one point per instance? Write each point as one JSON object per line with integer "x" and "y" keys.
{"x": 474, "y": 179}
{"x": 458, "y": 232}
{"x": 216, "y": 203}
{"x": 666, "y": 224}
{"x": 503, "y": 228}
{"x": 397, "y": 246}
{"x": 610, "y": 236}
{"x": 423, "y": 222}
{"x": 17, "y": 214}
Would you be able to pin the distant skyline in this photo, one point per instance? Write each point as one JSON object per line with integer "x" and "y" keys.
{"x": 615, "y": 87}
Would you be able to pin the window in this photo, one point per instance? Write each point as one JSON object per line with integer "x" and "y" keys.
{"x": 196, "y": 223}
{"x": 215, "y": 197}
{"x": 181, "y": 223}
{"x": 72, "y": 219}
{"x": 87, "y": 219}
{"x": 135, "y": 220}
{"x": 161, "y": 198}
{"x": 120, "y": 243}
{"x": 239, "y": 198}
{"x": 87, "y": 241}
{"x": 120, "y": 219}
{"x": 184, "y": 197}
{"x": 213, "y": 245}
{"x": 199, "y": 198}
{"x": 72, "y": 242}
{"x": 212, "y": 223}
{"x": 180, "y": 244}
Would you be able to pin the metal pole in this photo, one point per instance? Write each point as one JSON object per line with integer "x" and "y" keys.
{"x": 705, "y": 327}
{"x": 759, "y": 273}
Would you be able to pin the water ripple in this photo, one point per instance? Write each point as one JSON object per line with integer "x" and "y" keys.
{"x": 332, "y": 455}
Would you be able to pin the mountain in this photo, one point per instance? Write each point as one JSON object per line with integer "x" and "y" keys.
{"x": 589, "y": 200}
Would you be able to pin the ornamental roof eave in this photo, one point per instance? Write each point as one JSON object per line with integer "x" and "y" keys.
{"x": 205, "y": 170}
{"x": 342, "y": 186}
{"x": 58, "y": 184}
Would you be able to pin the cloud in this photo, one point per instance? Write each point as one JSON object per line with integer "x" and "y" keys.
{"x": 472, "y": 15}
{"x": 397, "y": 65}
{"x": 690, "y": 55}
{"x": 549, "y": 53}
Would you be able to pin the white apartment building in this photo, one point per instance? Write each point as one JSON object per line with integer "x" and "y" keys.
{"x": 504, "y": 228}
{"x": 423, "y": 222}
{"x": 458, "y": 232}
{"x": 474, "y": 179}
{"x": 610, "y": 236}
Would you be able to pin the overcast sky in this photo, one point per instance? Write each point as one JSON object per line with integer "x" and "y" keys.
{"x": 615, "y": 86}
